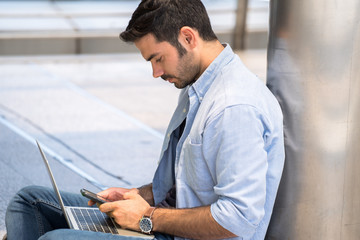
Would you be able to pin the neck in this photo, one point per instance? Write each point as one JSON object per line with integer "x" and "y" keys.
{"x": 208, "y": 53}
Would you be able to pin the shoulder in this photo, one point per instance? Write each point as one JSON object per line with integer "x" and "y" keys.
{"x": 236, "y": 85}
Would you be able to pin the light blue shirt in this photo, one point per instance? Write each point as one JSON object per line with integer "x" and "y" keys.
{"x": 231, "y": 153}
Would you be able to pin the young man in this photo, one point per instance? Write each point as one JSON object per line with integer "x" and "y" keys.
{"x": 223, "y": 152}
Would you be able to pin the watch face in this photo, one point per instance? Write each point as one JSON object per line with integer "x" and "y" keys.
{"x": 145, "y": 225}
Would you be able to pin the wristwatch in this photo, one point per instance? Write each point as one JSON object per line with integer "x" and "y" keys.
{"x": 145, "y": 223}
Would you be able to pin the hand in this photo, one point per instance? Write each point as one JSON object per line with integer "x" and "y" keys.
{"x": 114, "y": 194}
{"x": 128, "y": 211}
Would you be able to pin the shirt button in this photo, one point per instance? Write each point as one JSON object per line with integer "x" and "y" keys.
{"x": 184, "y": 110}
{"x": 201, "y": 99}
{"x": 168, "y": 135}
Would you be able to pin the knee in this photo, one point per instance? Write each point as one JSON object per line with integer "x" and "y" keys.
{"x": 31, "y": 189}
{"x": 31, "y": 193}
{"x": 26, "y": 196}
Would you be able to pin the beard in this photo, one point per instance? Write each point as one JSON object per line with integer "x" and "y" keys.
{"x": 187, "y": 72}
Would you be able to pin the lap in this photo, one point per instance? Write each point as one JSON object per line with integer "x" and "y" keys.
{"x": 70, "y": 234}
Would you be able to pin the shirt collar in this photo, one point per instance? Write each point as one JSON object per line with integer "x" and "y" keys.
{"x": 202, "y": 85}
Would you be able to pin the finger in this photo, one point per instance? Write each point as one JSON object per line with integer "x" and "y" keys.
{"x": 105, "y": 194}
{"x": 91, "y": 202}
{"x": 112, "y": 194}
{"x": 107, "y": 207}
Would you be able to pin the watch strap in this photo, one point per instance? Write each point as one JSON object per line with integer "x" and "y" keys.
{"x": 149, "y": 212}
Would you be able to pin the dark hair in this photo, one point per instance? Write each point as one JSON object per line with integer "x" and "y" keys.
{"x": 165, "y": 18}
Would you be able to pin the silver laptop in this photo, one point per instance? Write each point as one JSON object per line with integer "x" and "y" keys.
{"x": 87, "y": 218}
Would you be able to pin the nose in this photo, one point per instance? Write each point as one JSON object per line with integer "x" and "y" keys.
{"x": 157, "y": 71}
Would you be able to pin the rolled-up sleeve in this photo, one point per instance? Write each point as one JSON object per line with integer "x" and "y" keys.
{"x": 234, "y": 141}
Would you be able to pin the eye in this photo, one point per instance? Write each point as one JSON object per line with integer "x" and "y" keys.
{"x": 159, "y": 59}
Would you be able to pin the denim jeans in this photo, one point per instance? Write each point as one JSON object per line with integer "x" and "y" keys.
{"x": 34, "y": 213}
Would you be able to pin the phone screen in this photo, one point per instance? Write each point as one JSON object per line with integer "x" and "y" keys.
{"x": 93, "y": 196}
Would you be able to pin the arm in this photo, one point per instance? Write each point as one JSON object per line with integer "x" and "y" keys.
{"x": 195, "y": 223}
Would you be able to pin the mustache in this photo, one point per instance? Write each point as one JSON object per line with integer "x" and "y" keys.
{"x": 165, "y": 76}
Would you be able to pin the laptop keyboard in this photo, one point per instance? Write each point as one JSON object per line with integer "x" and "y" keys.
{"x": 93, "y": 220}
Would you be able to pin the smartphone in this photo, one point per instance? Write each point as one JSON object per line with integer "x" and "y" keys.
{"x": 93, "y": 196}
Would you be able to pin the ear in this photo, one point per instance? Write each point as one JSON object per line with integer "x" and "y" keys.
{"x": 188, "y": 37}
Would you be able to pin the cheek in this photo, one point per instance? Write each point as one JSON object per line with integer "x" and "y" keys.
{"x": 170, "y": 67}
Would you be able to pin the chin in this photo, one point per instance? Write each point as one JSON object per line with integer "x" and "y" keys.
{"x": 180, "y": 86}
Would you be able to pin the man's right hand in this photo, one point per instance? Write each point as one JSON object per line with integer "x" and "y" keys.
{"x": 114, "y": 194}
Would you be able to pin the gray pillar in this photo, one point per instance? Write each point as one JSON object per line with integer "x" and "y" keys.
{"x": 314, "y": 71}
{"x": 240, "y": 25}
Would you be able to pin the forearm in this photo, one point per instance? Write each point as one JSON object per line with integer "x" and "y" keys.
{"x": 195, "y": 223}
{"x": 146, "y": 193}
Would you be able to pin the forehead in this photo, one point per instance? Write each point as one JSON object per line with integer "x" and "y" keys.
{"x": 150, "y": 47}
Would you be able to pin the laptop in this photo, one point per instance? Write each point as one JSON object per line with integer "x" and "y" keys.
{"x": 88, "y": 218}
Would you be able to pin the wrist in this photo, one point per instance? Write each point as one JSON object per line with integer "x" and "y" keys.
{"x": 146, "y": 224}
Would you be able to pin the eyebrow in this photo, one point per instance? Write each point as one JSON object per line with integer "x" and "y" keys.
{"x": 152, "y": 56}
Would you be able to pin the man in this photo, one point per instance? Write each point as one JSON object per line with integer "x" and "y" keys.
{"x": 223, "y": 152}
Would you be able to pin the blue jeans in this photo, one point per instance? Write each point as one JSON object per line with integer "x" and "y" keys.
{"x": 34, "y": 213}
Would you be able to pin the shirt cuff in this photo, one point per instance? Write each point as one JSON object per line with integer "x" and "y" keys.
{"x": 223, "y": 213}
